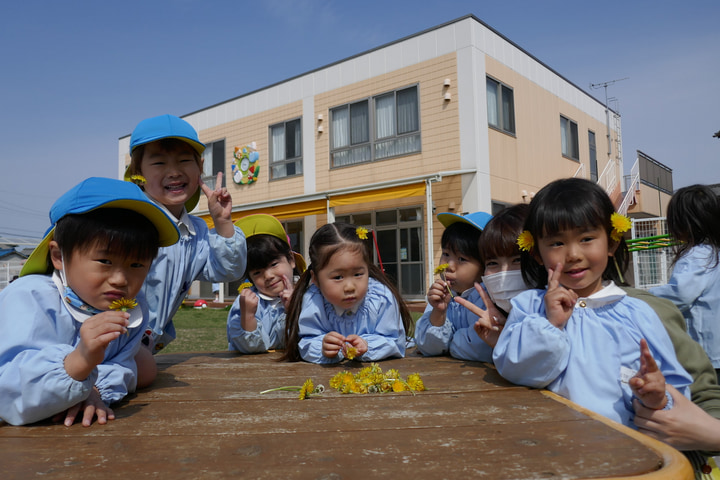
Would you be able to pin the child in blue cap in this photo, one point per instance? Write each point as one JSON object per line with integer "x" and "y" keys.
{"x": 166, "y": 162}
{"x": 73, "y": 321}
{"x": 446, "y": 326}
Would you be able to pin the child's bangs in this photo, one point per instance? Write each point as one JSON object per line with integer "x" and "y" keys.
{"x": 496, "y": 243}
{"x": 263, "y": 250}
{"x": 570, "y": 215}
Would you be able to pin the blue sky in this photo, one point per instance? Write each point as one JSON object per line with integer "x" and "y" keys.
{"x": 77, "y": 75}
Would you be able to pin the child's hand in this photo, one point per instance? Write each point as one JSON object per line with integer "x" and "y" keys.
{"x": 248, "y": 301}
{"x": 559, "y": 301}
{"x": 648, "y": 384}
{"x": 490, "y": 322}
{"x": 439, "y": 296}
{"x": 96, "y": 333}
{"x": 91, "y": 407}
{"x": 219, "y": 206}
{"x": 361, "y": 346}
{"x": 287, "y": 292}
{"x": 332, "y": 344}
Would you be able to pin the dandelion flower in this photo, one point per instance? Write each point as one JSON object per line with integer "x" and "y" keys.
{"x": 525, "y": 241}
{"x": 620, "y": 224}
{"x": 138, "y": 179}
{"x": 362, "y": 233}
{"x": 243, "y": 286}
{"x": 350, "y": 352}
{"x": 306, "y": 389}
{"x": 441, "y": 268}
{"x": 415, "y": 382}
{"x": 123, "y": 304}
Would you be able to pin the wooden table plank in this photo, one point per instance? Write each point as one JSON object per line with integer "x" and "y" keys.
{"x": 205, "y": 418}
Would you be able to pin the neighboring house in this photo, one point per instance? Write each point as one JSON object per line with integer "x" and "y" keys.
{"x": 11, "y": 262}
{"x": 456, "y": 118}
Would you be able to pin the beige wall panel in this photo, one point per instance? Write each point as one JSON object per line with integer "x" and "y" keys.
{"x": 244, "y": 131}
{"x": 438, "y": 126}
{"x": 532, "y": 158}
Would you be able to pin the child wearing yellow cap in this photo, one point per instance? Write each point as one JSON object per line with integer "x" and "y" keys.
{"x": 256, "y": 322}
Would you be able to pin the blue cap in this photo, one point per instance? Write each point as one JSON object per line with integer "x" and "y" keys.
{"x": 96, "y": 193}
{"x": 165, "y": 126}
{"x": 476, "y": 219}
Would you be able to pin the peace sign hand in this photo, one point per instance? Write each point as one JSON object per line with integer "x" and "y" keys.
{"x": 219, "y": 206}
{"x": 559, "y": 301}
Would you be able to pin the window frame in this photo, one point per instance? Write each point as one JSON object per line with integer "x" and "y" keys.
{"x": 296, "y": 161}
{"x": 367, "y": 146}
{"x": 573, "y": 139}
{"x": 210, "y": 149}
{"x": 504, "y": 125}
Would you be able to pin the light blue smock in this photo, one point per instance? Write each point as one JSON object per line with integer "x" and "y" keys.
{"x": 694, "y": 287}
{"x": 200, "y": 254}
{"x": 270, "y": 331}
{"x": 38, "y": 332}
{"x": 457, "y": 335}
{"x": 587, "y": 359}
{"x": 377, "y": 320}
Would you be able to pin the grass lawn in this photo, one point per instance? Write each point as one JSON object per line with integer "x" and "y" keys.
{"x": 204, "y": 330}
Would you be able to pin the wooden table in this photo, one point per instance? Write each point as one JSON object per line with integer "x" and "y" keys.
{"x": 205, "y": 418}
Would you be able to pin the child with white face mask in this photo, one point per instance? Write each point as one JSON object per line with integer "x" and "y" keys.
{"x": 502, "y": 277}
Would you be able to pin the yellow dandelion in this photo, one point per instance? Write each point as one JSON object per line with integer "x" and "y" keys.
{"x": 398, "y": 386}
{"x": 415, "y": 382}
{"x": 362, "y": 233}
{"x": 525, "y": 241}
{"x": 620, "y": 224}
{"x": 123, "y": 304}
{"x": 306, "y": 389}
{"x": 441, "y": 268}
{"x": 138, "y": 179}
{"x": 243, "y": 286}
{"x": 350, "y": 352}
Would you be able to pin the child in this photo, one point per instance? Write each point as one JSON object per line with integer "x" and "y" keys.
{"x": 256, "y": 322}
{"x": 502, "y": 277}
{"x": 583, "y": 337}
{"x": 343, "y": 305}
{"x": 165, "y": 160}
{"x": 694, "y": 286}
{"x": 447, "y": 326}
{"x": 67, "y": 342}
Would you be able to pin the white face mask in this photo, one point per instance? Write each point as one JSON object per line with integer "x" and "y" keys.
{"x": 503, "y": 286}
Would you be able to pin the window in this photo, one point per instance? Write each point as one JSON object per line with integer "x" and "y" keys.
{"x": 286, "y": 149}
{"x": 213, "y": 162}
{"x": 569, "y": 138}
{"x": 397, "y": 244}
{"x": 500, "y": 106}
{"x": 593, "y": 156}
{"x": 384, "y": 126}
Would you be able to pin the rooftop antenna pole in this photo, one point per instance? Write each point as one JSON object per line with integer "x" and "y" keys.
{"x": 607, "y": 111}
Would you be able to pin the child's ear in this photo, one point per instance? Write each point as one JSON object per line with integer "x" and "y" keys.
{"x": 55, "y": 255}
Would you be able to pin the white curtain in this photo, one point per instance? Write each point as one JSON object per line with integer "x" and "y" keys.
{"x": 385, "y": 116}
{"x": 278, "y": 143}
{"x": 492, "y": 102}
{"x": 340, "y": 127}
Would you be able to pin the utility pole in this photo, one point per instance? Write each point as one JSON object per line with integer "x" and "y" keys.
{"x": 607, "y": 111}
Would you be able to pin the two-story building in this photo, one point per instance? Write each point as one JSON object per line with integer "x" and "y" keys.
{"x": 456, "y": 118}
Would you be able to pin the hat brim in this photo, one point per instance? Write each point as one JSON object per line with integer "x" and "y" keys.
{"x": 477, "y": 220}
{"x": 168, "y": 233}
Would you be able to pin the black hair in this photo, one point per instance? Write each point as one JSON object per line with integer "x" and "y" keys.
{"x": 123, "y": 232}
{"x": 693, "y": 218}
{"x": 462, "y": 238}
{"x": 499, "y": 237}
{"x": 264, "y": 249}
{"x": 565, "y": 204}
{"x": 326, "y": 242}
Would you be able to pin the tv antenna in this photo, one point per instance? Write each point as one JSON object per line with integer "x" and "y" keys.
{"x": 607, "y": 111}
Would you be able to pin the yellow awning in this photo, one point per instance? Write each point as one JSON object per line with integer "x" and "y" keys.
{"x": 400, "y": 191}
